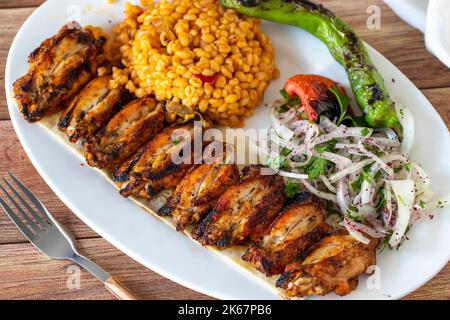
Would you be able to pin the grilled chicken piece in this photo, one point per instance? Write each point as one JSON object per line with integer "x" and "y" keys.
{"x": 128, "y": 130}
{"x": 300, "y": 225}
{"x": 155, "y": 169}
{"x": 244, "y": 211}
{"x": 334, "y": 264}
{"x": 198, "y": 192}
{"x": 60, "y": 67}
{"x": 92, "y": 108}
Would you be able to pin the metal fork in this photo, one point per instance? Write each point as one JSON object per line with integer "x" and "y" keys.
{"x": 49, "y": 236}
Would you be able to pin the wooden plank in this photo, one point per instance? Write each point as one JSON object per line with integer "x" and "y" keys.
{"x": 14, "y": 159}
{"x": 7, "y": 4}
{"x": 27, "y": 274}
{"x": 436, "y": 289}
{"x": 440, "y": 99}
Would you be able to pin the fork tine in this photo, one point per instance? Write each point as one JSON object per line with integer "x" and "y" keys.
{"x": 38, "y": 204}
{"x": 30, "y": 221}
{"x": 22, "y": 227}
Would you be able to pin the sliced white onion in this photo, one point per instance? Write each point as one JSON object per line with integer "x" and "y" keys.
{"x": 344, "y": 132}
{"x": 356, "y": 234}
{"x": 327, "y": 125}
{"x": 350, "y": 169}
{"x": 420, "y": 177}
{"x": 368, "y": 190}
{"x": 284, "y": 132}
{"x": 342, "y": 195}
{"x": 287, "y": 116}
{"x": 389, "y": 133}
{"x": 318, "y": 193}
{"x": 404, "y": 193}
{"x": 363, "y": 228}
{"x": 387, "y": 211}
{"x": 407, "y": 122}
{"x": 377, "y": 159}
{"x": 293, "y": 175}
{"x": 340, "y": 161}
{"x": 383, "y": 143}
{"x": 327, "y": 183}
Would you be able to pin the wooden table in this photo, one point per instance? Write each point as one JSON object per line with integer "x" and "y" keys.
{"x": 27, "y": 274}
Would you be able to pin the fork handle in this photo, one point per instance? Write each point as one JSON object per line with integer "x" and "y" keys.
{"x": 119, "y": 290}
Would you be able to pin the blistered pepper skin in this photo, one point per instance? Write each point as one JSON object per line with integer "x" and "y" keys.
{"x": 344, "y": 45}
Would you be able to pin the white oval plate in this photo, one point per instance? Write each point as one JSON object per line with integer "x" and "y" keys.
{"x": 172, "y": 254}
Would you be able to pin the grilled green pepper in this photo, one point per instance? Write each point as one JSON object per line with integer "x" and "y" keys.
{"x": 345, "y": 46}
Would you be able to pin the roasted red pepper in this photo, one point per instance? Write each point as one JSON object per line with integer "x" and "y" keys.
{"x": 315, "y": 95}
{"x": 206, "y": 79}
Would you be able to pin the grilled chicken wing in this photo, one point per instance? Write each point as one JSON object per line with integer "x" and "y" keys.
{"x": 92, "y": 108}
{"x": 154, "y": 169}
{"x": 334, "y": 264}
{"x": 244, "y": 211}
{"x": 198, "y": 192}
{"x": 128, "y": 130}
{"x": 61, "y": 66}
{"x": 300, "y": 225}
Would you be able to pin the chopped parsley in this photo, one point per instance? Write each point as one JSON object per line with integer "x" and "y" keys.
{"x": 327, "y": 146}
{"x": 382, "y": 201}
{"x": 175, "y": 141}
{"x": 344, "y": 103}
{"x": 397, "y": 169}
{"x": 422, "y": 204}
{"x": 331, "y": 209}
{"x": 291, "y": 189}
{"x": 289, "y": 103}
{"x": 365, "y": 132}
{"x": 385, "y": 243}
{"x": 400, "y": 198}
{"x": 352, "y": 214}
{"x": 374, "y": 150}
{"x": 285, "y": 152}
{"x": 316, "y": 167}
{"x": 407, "y": 166}
{"x": 365, "y": 176}
{"x": 277, "y": 163}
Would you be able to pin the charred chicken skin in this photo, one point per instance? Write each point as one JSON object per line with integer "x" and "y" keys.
{"x": 198, "y": 192}
{"x": 92, "y": 108}
{"x": 243, "y": 211}
{"x": 59, "y": 67}
{"x": 299, "y": 226}
{"x": 155, "y": 169}
{"x": 334, "y": 264}
{"x": 125, "y": 133}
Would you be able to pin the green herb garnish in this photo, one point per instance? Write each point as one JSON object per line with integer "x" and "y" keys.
{"x": 382, "y": 199}
{"x": 290, "y": 102}
{"x": 344, "y": 103}
{"x": 277, "y": 163}
{"x": 316, "y": 167}
{"x": 327, "y": 146}
{"x": 285, "y": 152}
{"x": 291, "y": 189}
{"x": 365, "y": 132}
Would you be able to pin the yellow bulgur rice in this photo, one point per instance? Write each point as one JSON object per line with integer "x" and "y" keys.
{"x": 196, "y": 54}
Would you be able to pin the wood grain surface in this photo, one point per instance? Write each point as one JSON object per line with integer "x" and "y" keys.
{"x": 27, "y": 274}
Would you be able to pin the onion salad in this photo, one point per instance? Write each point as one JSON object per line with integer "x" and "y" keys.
{"x": 365, "y": 174}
